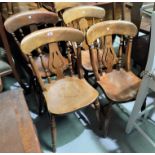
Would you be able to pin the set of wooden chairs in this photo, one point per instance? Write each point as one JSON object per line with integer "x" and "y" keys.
{"x": 61, "y": 57}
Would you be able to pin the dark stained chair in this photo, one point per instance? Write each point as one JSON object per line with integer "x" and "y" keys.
{"x": 21, "y": 24}
{"x": 18, "y": 26}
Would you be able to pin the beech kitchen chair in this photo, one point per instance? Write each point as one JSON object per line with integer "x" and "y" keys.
{"x": 113, "y": 75}
{"x": 67, "y": 93}
{"x": 82, "y": 17}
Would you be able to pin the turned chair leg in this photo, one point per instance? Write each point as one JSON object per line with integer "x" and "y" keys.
{"x": 105, "y": 118}
{"x": 53, "y": 132}
{"x": 97, "y": 108}
{"x": 1, "y": 86}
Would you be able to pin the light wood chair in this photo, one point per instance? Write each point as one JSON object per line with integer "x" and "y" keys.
{"x": 116, "y": 80}
{"x": 67, "y": 93}
{"x": 82, "y": 17}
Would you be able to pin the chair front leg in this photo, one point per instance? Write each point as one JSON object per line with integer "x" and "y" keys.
{"x": 53, "y": 132}
{"x": 1, "y": 86}
{"x": 105, "y": 117}
{"x": 97, "y": 109}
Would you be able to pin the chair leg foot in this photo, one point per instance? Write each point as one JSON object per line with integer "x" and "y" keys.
{"x": 53, "y": 132}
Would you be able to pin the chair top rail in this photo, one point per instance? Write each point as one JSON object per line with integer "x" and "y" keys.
{"x": 49, "y": 35}
{"x": 109, "y": 28}
{"x": 83, "y": 11}
{"x": 30, "y": 17}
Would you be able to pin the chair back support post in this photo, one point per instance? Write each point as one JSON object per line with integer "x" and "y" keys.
{"x": 93, "y": 63}
{"x": 128, "y": 55}
{"x": 79, "y": 65}
{"x": 34, "y": 67}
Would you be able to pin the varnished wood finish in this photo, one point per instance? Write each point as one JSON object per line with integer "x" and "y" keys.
{"x": 120, "y": 85}
{"x": 57, "y": 63}
{"x": 83, "y": 11}
{"x": 109, "y": 28}
{"x": 1, "y": 86}
{"x": 82, "y": 17}
{"x": 67, "y": 93}
{"x": 53, "y": 132}
{"x": 49, "y": 35}
{"x": 17, "y": 130}
{"x": 5, "y": 42}
{"x": 109, "y": 59}
{"x": 86, "y": 61}
{"x": 29, "y": 17}
{"x": 10, "y": 8}
{"x": 113, "y": 73}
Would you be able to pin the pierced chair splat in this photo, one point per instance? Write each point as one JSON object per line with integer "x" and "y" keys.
{"x": 67, "y": 93}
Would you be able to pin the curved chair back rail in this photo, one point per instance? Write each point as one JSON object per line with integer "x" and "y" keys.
{"x": 109, "y": 28}
{"x": 59, "y": 6}
{"x": 30, "y": 17}
{"x": 83, "y": 11}
{"x": 49, "y": 35}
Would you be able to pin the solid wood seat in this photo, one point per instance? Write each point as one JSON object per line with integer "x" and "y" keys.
{"x": 120, "y": 85}
{"x": 69, "y": 94}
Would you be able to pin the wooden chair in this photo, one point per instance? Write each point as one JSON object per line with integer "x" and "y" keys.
{"x": 18, "y": 26}
{"x": 82, "y": 17}
{"x": 67, "y": 93}
{"x": 116, "y": 80}
{"x": 21, "y": 24}
{"x": 32, "y": 19}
